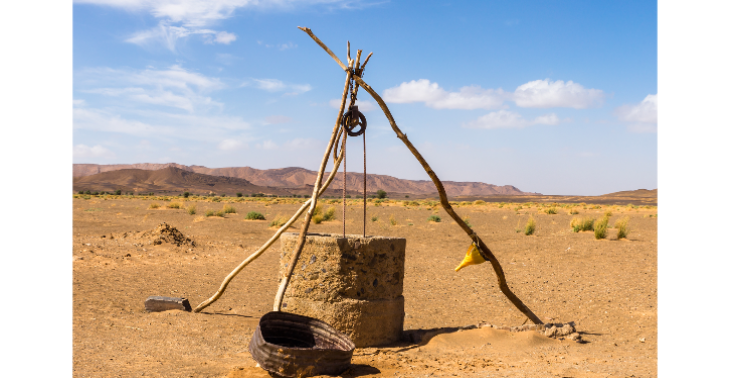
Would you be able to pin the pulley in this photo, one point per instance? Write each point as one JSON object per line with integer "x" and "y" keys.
{"x": 352, "y": 119}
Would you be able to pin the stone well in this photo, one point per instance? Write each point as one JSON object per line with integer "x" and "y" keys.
{"x": 354, "y": 283}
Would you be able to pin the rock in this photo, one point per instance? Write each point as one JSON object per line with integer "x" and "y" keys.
{"x": 156, "y": 304}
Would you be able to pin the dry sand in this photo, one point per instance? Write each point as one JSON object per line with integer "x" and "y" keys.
{"x": 607, "y": 287}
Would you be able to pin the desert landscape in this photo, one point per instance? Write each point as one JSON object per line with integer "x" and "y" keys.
{"x": 607, "y": 287}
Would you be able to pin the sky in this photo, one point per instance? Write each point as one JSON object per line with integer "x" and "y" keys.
{"x": 554, "y": 97}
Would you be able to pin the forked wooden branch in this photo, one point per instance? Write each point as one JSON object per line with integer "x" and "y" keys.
{"x": 483, "y": 249}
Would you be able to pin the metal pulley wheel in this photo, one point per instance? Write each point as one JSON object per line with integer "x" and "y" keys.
{"x": 353, "y": 118}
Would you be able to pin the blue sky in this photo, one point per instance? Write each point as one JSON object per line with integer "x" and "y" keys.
{"x": 551, "y": 97}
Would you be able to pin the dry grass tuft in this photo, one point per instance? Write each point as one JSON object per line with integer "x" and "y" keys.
{"x": 173, "y": 205}
{"x": 191, "y": 210}
{"x": 601, "y": 228}
{"x": 329, "y": 214}
{"x": 582, "y": 224}
{"x": 434, "y": 218}
{"x": 278, "y": 221}
{"x": 228, "y": 209}
{"x": 393, "y": 222}
{"x": 530, "y": 226}
{"x": 479, "y": 202}
{"x": 622, "y": 226}
{"x": 573, "y": 211}
{"x": 551, "y": 210}
{"x": 154, "y": 205}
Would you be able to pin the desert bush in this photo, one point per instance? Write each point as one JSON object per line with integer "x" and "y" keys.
{"x": 216, "y": 199}
{"x": 479, "y": 202}
{"x": 220, "y": 213}
{"x": 622, "y": 226}
{"x": 329, "y": 214}
{"x": 551, "y": 210}
{"x": 434, "y": 218}
{"x": 228, "y": 209}
{"x": 317, "y": 219}
{"x": 254, "y": 215}
{"x": 186, "y": 194}
{"x": 239, "y": 194}
{"x": 600, "y": 229}
{"x": 118, "y": 192}
{"x": 191, "y": 210}
{"x": 530, "y": 226}
{"x": 393, "y": 221}
{"x": 573, "y": 211}
{"x": 154, "y": 205}
{"x": 373, "y": 218}
{"x": 582, "y": 224}
{"x": 381, "y": 194}
{"x": 173, "y": 205}
{"x": 607, "y": 213}
{"x": 209, "y": 213}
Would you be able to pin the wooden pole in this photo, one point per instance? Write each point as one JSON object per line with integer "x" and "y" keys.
{"x": 315, "y": 192}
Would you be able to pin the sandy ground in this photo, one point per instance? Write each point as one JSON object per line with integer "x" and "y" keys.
{"x": 607, "y": 287}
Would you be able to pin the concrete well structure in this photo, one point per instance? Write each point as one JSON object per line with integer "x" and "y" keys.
{"x": 355, "y": 284}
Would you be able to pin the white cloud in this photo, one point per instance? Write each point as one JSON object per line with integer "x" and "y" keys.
{"x": 274, "y": 85}
{"x": 192, "y": 16}
{"x": 267, "y": 145}
{"x": 277, "y": 119}
{"x": 556, "y": 94}
{"x": 362, "y": 105}
{"x": 82, "y": 151}
{"x": 471, "y": 97}
{"x": 641, "y": 117}
{"x": 174, "y": 87}
{"x": 225, "y": 37}
{"x": 79, "y": 102}
{"x": 512, "y": 120}
{"x": 230, "y": 145}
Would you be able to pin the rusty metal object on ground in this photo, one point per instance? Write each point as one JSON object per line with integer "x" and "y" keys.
{"x": 291, "y": 345}
{"x": 354, "y": 283}
{"x": 156, "y": 303}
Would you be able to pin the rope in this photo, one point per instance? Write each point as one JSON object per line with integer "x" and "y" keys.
{"x": 344, "y": 186}
{"x": 364, "y": 187}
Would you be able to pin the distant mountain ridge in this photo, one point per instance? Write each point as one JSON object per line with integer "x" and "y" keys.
{"x": 294, "y": 177}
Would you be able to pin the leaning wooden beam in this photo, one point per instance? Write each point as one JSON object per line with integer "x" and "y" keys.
{"x": 253, "y": 256}
{"x": 483, "y": 249}
{"x": 315, "y": 193}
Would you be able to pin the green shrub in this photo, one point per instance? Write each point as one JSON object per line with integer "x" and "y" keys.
{"x": 209, "y": 213}
{"x": 601, "y": 228}
{"x": 434, "y": 218}
{"x": 253, "y": 215}
{"x": 239, "y": 194}
{"x": 191, "y": 210}
{"x": 551, "y": 210}
{"x": 466, "y": 220}
{"x": 154, "y": 205}
{"x": 118, "y": 192}
{"x": 173, "y": 205}
{"x": 374, "y": 218}
{"x": 530, "y": 226}
{"x": 381, "y": 194}
{"x": 186, "y": 194}
{"x": 228, "y": 209}
{"x": 216, "y": 199}
{"x": 622, "y": 226}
